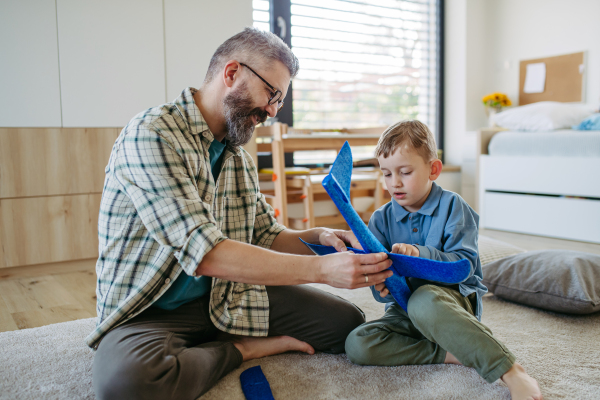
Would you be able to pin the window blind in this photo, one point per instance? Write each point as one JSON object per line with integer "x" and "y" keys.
{"x": 362, "y": 63}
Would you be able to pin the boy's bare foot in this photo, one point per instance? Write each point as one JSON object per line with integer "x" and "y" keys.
{"x": 254, "y": 347}
{"x": 521, "y": 385}
{"x": 450, "y": 359}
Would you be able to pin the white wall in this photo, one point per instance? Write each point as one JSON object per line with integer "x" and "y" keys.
{"x": 455, "y": 78}
{"x": 477, "y": 47}
{"x": 486, "y": 40}
{"x": 539, "y": 28}
{"x": 526, "y": 29}
{"x": 193, "y": 31}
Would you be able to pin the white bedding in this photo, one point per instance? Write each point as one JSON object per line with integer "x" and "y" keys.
{"x": 563, "y": 143}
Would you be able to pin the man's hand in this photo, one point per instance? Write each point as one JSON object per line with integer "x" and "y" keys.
{"x": 382, "y": 289}
{"x": 338, "y": 239}
{"x": 406, "y": 249}
{"x": 352, "y": 271}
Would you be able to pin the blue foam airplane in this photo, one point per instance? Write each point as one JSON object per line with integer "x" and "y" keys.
{"x": 337, "y": 185}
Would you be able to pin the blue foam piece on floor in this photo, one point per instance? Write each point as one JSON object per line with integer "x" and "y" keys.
{"x": 337, "y": 185}
{"x": 255, "y": 385}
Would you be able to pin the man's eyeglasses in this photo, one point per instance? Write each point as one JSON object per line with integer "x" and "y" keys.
{"x": 275, "y": 93}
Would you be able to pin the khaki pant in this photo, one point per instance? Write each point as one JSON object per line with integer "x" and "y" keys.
{"x": 163, "y": 354}
{"x": 439, "y": 319}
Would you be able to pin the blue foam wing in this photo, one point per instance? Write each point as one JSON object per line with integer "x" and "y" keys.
{"x": 414, "y": 267}
{"x": 337, "y": 185}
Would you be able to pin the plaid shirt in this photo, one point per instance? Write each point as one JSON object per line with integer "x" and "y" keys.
{"x": 161, "y": 212}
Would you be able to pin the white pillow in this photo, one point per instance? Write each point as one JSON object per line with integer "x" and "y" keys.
{"x": 543, "y": 116}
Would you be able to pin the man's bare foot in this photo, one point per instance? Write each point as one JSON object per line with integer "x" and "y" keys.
{"x": 450, "y": 359}
{"x": 254, "y": 347}
{"x": 521, "y": 385}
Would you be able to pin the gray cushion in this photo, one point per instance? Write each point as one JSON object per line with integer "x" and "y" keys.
{"x": 556, "y": 280}
{"x": 491, "y": 250}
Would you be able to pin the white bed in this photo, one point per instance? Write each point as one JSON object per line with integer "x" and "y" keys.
{"x": 540, "y": 183}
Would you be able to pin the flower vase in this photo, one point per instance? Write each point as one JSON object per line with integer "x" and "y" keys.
{"x": 490, "y": 112}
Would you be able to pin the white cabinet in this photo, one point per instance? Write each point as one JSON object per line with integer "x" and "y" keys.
{"x": 29, "y": 81}
{"x": 92, "y": 63}
{"x": 111, "y": 60}
{"x": 193, "y": 31}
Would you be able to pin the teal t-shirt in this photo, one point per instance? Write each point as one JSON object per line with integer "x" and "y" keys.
{"x": 187, "y": 288}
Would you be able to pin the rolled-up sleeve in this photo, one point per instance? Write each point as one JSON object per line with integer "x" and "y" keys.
{"x": 155, "y": 177}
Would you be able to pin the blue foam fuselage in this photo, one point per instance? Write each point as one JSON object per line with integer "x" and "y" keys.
{"x": 337, "y": 185}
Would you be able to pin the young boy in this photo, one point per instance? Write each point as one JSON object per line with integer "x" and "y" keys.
{"x": 442, "y": 324}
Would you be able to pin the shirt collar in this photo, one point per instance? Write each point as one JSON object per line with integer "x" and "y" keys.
{"x": 194, "y": 119}
{"x": 432, "y": 202}
{"x": 190, "y": 112}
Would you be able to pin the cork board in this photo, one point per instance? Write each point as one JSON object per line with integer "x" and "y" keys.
{"x": 564, "y": 79}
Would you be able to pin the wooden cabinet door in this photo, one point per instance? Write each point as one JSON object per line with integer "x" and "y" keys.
{"x": 53, "y": 161}
{"x": 40, "y": 230}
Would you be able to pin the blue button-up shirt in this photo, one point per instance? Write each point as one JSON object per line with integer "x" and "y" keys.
{"x": 444, "y": 229}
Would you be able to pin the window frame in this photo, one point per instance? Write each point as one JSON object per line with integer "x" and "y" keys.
{"x": 282, "y": 9}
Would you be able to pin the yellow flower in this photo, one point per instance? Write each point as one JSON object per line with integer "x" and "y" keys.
{"x": 496, "y": 99}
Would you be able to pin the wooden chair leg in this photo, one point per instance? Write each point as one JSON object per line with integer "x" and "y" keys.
{"x": 281, "y": 212}
{"x": 378, "y": 190}
{"x": 308, "y": 201}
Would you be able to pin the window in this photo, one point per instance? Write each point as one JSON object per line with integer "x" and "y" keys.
{"x": 364, "y": 63}
{"x": 261, "y": 14}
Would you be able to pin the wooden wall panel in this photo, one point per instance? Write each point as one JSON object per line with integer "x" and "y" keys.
{"x": 49, "y": 229}
{"x": 53, "y": 161}
{"x": 2, "y": 244}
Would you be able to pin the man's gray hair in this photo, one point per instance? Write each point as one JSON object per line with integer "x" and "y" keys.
{"x": 253, "y": 47}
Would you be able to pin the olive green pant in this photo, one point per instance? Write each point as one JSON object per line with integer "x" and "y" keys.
{"x": 439, "y": 320}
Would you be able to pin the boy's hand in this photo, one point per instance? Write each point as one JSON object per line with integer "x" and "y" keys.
{"x": 338, "y": 239}
{"x": 382, "y": 289}
{"x": 406, "y": 249}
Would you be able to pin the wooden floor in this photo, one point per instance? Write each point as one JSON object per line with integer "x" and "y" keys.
{"x": 47, "y": 294}
{"x": 43, "y": 295}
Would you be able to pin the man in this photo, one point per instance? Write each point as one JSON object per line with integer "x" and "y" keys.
{"x": 194, "y": 273}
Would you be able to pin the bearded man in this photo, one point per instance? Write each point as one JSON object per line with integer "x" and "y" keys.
{"x": 195, "y": 275}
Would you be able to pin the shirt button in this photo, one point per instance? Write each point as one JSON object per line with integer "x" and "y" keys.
{"x": 167, "y": 280}
{"x": 207, "y": 198}
{"x": 205, "y": 134}
{"x": 415, "y": 230}
{"x": 409, "y": 217}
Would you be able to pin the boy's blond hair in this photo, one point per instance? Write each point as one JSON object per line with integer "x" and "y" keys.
{"x": 415, "y": 133}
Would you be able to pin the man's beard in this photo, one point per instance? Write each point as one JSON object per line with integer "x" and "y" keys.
{"x": 238, "y": 111}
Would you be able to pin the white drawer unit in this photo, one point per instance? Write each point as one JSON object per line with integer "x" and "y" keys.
{"x": 560, "y": 217}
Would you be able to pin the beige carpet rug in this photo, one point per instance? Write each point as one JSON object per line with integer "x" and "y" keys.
{"x": 562, "y": 352}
